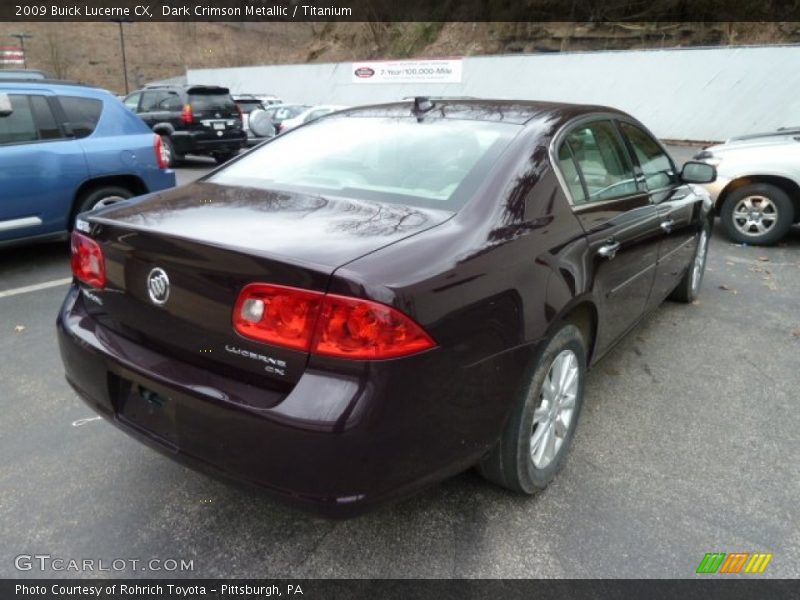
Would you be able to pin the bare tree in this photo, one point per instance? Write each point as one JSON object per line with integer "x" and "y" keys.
{"x": 60, "y": 54}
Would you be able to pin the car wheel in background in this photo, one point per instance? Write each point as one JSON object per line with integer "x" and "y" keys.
{"x": 224, "y": 157}
{"x": 689, "y": 288}
{"x": 169, "y": 150}
{"x": 759, "y": 214}
{"x": 101, "y": 197}
{"x": 539, "y": 432}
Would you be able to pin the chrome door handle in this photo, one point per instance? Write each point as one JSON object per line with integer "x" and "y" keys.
{"x": 609, "y": 249}
{"x": 667, "y": 225}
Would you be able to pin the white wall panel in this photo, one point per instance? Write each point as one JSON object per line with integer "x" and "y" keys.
{"x": 688, "y": 94}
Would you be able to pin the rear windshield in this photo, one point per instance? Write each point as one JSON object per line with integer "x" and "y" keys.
{"x": 248, "y": 106}
{"x": 211, "y": 101}
{"x": 435, "y": 163}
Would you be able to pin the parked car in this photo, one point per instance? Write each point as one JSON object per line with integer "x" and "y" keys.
{"x": 65, "y": 149}
{"x": 280, "y": 112}
{"x": 757, "y": 193}
{"x": 191, "y": 119}
{"x": 311, "y": 114}
{"x": 261, "y": 128}
{"x": 269, "y": 99}
{"x": 22, "y": 74}
{"x": 384, "y": 297}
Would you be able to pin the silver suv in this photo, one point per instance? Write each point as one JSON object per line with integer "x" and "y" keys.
{"x": 757, "y": 191}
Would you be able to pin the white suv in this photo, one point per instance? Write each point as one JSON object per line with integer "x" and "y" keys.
{"x": 757, "y": 191}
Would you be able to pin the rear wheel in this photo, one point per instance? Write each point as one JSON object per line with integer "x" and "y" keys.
{"x": 538, "y": 434}
{"x": 759, "y": 214}
{"x": 689, "y": 288}
{"x": 169, "y": 150}
{"x": 100, "y": 197}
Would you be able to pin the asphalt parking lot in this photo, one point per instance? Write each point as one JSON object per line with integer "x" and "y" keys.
{"x": 689, "y": 443}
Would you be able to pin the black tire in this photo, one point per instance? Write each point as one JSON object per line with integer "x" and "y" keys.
{"x": 107, "y": 194}
{"x": 223, "y": 158}
{"x": 173, "y": 158}
{"x": 782, "y": 209}
{"x": 510, "y": 463}
{"x": 688, "y": 289}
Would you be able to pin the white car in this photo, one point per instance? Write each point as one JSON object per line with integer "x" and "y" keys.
{"x": 315, "y": 112}
{"x": 757, "y": 191}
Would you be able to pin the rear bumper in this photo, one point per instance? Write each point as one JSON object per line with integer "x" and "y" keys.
{"x": 336, "y": 444}
{"x": 202, "y": 142}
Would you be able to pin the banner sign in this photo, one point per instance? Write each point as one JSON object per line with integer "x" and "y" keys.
{"x": 407, "y": 71}
{"x": 11, "y": 55}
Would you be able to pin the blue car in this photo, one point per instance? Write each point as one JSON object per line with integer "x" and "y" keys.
{"x": 65, "y": 149}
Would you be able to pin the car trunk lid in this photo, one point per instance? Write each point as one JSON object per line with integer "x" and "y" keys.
{"x": 210, "y": 241}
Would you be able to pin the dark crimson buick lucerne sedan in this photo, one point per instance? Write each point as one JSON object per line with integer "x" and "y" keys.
{"x": 384, "y": 297}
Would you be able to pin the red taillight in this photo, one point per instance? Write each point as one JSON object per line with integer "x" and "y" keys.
{"x": 278, "y": 315}
{"x": 326, "y": 324}
{"x": 88, "y": 263}
{"x": 162, "y": 160}
{"x": 365, "y": 330}
{"x": 187, "y": 116}
{"x": 239, "y": 110}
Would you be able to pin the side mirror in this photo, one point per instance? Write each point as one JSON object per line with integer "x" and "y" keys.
{"x": 698, "y": 172}
{"x": 5, "y": 105}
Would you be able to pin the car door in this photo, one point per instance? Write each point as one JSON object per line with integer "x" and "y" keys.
{"x": 621, "y": 223}
{"x": 41, "y": 169}
{"x": 678, "y": 207}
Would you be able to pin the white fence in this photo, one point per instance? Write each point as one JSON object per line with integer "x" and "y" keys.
{"x": 681, "y": 94}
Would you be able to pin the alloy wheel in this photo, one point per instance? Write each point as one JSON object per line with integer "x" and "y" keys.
{"x": 755, "y": 215}
{"x": 107, "y": 201}
{"x": 556, "y": 410}
{"x": 699, "y": 261}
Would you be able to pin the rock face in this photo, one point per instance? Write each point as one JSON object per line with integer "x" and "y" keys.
{"x": 90, "y": 52}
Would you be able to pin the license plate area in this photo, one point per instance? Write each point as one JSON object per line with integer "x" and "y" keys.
{"x": 148, "y": 410}
{"x": 219, "y": 126}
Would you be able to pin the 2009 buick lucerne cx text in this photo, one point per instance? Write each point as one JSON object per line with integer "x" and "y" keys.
{"x": 385, "y": 297}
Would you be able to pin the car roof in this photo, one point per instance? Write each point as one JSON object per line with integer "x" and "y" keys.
{"x": 56, "y": 86}
{"x": 517, "y": 112}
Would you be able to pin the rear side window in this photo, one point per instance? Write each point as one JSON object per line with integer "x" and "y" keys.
{"x": 571, "y": 176}
{"x": 19, "y": 127}
{"x": 82, "y": 114}
{"x": 602, "y": 161}
{"x": 45, "y": 121}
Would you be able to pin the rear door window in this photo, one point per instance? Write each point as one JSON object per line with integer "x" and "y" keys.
{"x": 170, "y": 101}
{"x": 150, "y": 101}
{"x": 602, "y": 161}
{"x": 19, "y": 127}
{"x": 82, "y": 114}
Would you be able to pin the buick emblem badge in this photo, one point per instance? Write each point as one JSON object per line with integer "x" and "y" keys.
{"x": 158, "y": 286}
